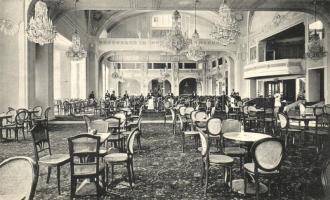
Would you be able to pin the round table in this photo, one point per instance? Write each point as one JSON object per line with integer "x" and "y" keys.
{"x": 249, "y": 137}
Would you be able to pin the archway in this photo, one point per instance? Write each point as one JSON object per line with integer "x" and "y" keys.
{"x": 156, "y": 87}
{"x": 188, "y": 86}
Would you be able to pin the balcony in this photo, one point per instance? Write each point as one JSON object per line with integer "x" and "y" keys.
{"x": 281, "y": 67}
{"x": 152, "y": 44}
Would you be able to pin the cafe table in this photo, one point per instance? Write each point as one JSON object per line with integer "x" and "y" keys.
{"x": 2, "y": 117}
{"x": 247, "y": 137}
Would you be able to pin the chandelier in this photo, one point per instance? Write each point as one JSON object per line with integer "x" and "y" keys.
{"x": 226, "y": 28}
{"x": 195, "y": 51}
{"x": 315, "y": 47}
{"x": 76, "y": 51}
{"x": 40, "y": 28}
{"x": 8, "y": 27}
{"x": 174, "y": 40}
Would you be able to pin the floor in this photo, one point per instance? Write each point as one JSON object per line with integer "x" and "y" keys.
{"x": 164, "y": 172}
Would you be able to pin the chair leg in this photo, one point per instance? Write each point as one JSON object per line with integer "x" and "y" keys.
{"x": 59, "y": 179}
{"x": 183, "y": 142}
{"x": 132, "y": 170}
{"x": 73, "y": 188}
{"x": 206, "y": 177}
{"x": 245, "y": 182}
{"x": 129, "y": 175}
{"x": 257, "y": 186}
{"x": 48, "y": 175}
{"x": 112, "y": 171}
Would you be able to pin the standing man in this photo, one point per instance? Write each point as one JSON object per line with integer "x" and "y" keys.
{"x": 277, "y": 102}
{"x": 113, "y": 96}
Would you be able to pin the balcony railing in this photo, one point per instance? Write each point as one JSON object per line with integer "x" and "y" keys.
{"x": 274, "y": 68}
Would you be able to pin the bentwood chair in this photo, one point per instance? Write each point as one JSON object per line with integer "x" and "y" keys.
{"x": 17, "y": 125}
{"x": 123, "y": 158}
{"x": 38, "y": 112}
{"x": 325, "y": 178}
{"x": 85, "y": 163}
{"x": 185, "y": 133}
{"x": 267, "y": 156}
{"x": 210, "y": 160}
{"x": 117, "y": 138}
{"x": 232, "y": 125}
{"x": 44, "y": 119}
{"x": 18, "y": 178}
{"x": 43, "y": 154}
{"x": 285, "y": 129}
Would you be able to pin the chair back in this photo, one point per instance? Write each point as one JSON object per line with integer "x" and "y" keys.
{"x": 84, "y": 153}
{"x": 19, "y": 178}
{"x": 181, "y": 123}
{"x": 284, "y": 121}
{"x": 318, "y": 111}
{"x": 268, "y": 154}
{"x": 130, "y": 140}
{"x": 122, "y": 118}
{"x": 66, "y": 106}
{"x": 230, "y": 125}
{"x": 13, "y": 113}
{"x": 41, "y": 143}
{"x": 193, "y": 116}
{"x": 204, "y": 142}
{"x": 46, "y": 113}
{"x": 213, "y": 126}
{"x": 302, "y": 109}
{"x": 39, "y": 113}
{"x": 188, "y": 111}
{"x": 325, "y": 179}
{"x": 182, "y": 110}
{"x": 327, "y": 109}
{"x": 200, "y": 116}
{"x": 100, "y": 126}
{"x": 172, "y": 114}
{"x": 20, "y": 117}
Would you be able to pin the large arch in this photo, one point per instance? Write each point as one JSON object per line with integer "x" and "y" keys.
{"x": 132, "y": 86}
{"x": 156, "y": 86}
{"x": 187, "y": 86}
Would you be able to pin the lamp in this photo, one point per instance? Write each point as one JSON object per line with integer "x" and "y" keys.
{"x": 76, "y": 51}
{"x": 174, "y": 40}
{"x": 40, "y": 28}
{"x": 195, "y": 51}
{"x": 225, "y": 29}
{"x": 315, "y": 47}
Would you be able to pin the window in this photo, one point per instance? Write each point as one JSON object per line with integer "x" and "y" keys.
{"x": 149, "y": 65}
{"x": 190, "y": 66}
{"x": 161, "y": 21}
{"x": 159, "y": 65}
{"x": 180, "y": 65}
{"x": 220, "y": 61}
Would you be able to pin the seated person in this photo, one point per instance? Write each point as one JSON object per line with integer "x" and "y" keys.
{"x": 113, "y": 96}
{"x": 126, "y": 95}
{"x": 91, "y": 95}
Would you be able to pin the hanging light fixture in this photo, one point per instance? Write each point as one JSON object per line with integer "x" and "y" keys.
{"x": 226, "y": 28}
{"x": 76, "y": 51}
{"x": 195, "y": 51}
{"x": 40, "y": 28}
{"x": 315, "y": 47}
{"x": 174, "y": 40}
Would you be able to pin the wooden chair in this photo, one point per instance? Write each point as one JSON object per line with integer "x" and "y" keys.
{"x": 39, "y": 113}
{"x": 43, "y": 120}
{"x": 209, "y": 160}
{"x": 325, "y": 178}
{"x": 185, "y": 133}
{"x": 117, "y": 138}
{"x": 232, "y": 125}
{"x": 123, "y": 158}
{"x": 85, "y": 163}
{"x": 267, "y": 156}
{"x": 43, "y": 154}
{"x": 19, "y": 178}
{"x": 285, "y": 129}
{"x": 17, "y": 125}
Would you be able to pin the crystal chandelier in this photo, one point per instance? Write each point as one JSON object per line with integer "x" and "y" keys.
{"x": 226, "y": 28}
{"x": 174, "y": 40}
{"x": 76, "y": 51}
{"x": 315, "y": 47}
{"x": 40, "y": 28}
{"x": 195, "y": 51}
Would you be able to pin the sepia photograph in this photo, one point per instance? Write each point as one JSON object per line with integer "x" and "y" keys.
{"x": 165, "y": 99}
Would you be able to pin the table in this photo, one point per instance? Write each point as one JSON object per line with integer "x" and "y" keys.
{"x": 103, "y": 137}
{"x": 3, "y": 116}
{"x": 249, "y": 137}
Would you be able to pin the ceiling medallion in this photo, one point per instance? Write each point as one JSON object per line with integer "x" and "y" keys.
{"x": 226, "y": 29}
{"x": 174, "y": 40}
{"x": 195, "y": 51}
{"x": 315, "y": 47}
{"x": 40, "y": 28}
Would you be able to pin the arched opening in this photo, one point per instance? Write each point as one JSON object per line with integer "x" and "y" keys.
{"x": 187, "y": 86}
{"x": 132, "y": 87}
{"x": 158, "y": 87}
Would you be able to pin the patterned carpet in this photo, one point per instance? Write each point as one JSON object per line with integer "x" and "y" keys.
{"x": 163, "y": 172}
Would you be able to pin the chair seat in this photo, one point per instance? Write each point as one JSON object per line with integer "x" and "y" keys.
{"x": 191, "y": 132}
{"x": 220, "y": 159}
{"x": 269, "y": 119}
{"x": 319, "y": 132}
{"x": 55, "y": 159}
{"x": 294, "y": 130}
{"x": 85, "y": 170}
{"x": 211, "y": 150}
{"x": 103, "y": 152}
{"x": 116, "y": 157}
{"x": 234, "y": 151}
{"x": 214, "y": 136}
{"x": 115, "y": 137}
{"x": 250, "y": 168}
{"x": 126, "y": 133}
